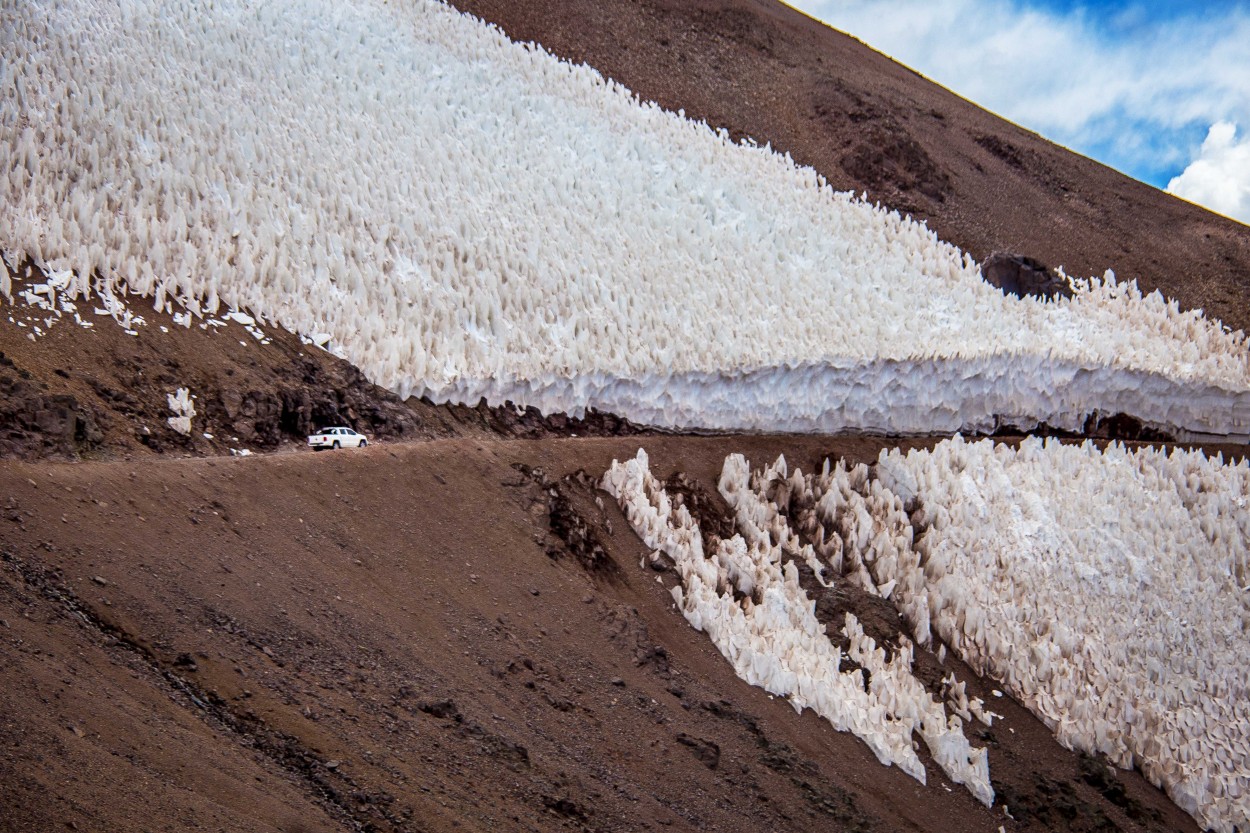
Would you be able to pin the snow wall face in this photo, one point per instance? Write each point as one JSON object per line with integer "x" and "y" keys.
{"x": 463, "y": 216}
{"x": 748, "y": 599}
{"x": 1108, "y": 589}
{"x": 1109, "y": 592}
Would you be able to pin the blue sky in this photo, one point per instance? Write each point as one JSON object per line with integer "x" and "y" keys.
{"x": 1159, "y": 90}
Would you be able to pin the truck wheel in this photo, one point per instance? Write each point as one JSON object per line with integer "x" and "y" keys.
{"x": 364, "y": 443}
{"x": 336, "y": 444}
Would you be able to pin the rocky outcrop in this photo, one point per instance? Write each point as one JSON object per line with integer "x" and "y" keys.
{"x": 37, "y": 424}
{"x": 1024, "y": 276}
{"x": 264, "y": 417}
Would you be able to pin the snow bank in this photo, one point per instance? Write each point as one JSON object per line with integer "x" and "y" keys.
{"x": 462, "y": 216}
{"x": 748, "y": 600}
{"x": 1108, "y": 590}
{"x": 180, "y": 402}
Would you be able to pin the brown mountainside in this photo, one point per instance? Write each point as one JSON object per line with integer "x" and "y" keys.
{"x": 436, "y": 636}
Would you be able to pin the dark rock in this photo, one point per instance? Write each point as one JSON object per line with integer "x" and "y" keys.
{"x": 231, "y": 403}
{"x": 442, "y": 709}
{"x": 56, "y": 422}
{"x": 121, "y": 400}
{"x": 656, "y": 657}
{"x": 888, "y": 157}
{"x": 706, "y": 751}
{"x": 1023, "y": 277}
{"x": 37, "y": 422}
{"x": 565, "y": 807}
{"x": 1124, "y": 427}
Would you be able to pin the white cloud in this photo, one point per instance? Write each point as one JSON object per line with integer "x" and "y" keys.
{"x": 1138, "y": 97}
{"x": 1220, "y": 177}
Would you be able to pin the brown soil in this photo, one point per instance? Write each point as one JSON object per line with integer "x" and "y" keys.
{"x": 762, "y": 70}
{"x": 431, "y": 636}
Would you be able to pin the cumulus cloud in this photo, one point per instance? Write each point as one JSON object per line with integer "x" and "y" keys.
{"x": 1134, "y": 91}
{"x": 1220, "y": 177}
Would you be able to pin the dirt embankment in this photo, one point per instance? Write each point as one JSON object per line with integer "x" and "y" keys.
{"x": 101, "y": 391}
{"x": 434, "y": 636}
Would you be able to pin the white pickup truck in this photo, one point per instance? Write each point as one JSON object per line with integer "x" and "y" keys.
{"x": 336, "y": 438}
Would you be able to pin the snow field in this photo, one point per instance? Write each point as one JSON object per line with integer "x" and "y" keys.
{"x": 1109, "y": 591}
{"x": 461, "y": 216}
{"x": 747, "y": 598}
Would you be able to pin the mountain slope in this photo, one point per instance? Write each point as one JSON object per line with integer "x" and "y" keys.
{"x": 492, "y": 221}
{"x": 424, "y": 637}
{"x": 435, "y": 636}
